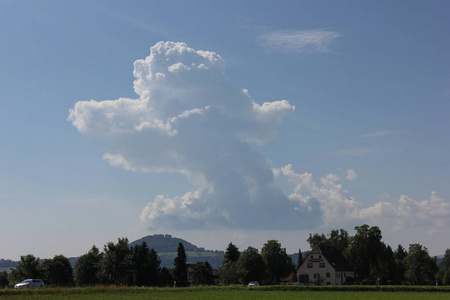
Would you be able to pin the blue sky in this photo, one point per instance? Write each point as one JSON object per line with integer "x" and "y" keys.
{"x": 268, "y": 120}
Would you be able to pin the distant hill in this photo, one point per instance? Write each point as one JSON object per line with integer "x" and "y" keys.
{"x": 166, "y": 247}
{"x": 7, "y": 264}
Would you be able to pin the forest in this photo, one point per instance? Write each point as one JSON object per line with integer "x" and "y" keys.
{"x": 139, "y": 265}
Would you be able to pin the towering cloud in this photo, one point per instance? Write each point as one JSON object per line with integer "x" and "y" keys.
{"x": 190, "y": 119}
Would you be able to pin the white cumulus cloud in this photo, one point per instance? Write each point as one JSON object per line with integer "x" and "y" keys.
{"x": 190, "y": 119}
{"x": 338, "y": 207}
{"x": 432, "y": 215}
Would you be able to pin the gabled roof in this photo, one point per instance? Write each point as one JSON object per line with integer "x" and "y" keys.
{"x": 333, "y": 256}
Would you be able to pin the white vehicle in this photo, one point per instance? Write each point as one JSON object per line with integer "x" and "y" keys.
{"x": 253, "y": 283}
{"x": 30, "y": 283}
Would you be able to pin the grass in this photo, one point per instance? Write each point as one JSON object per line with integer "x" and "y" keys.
{"x": 230, "y": 293}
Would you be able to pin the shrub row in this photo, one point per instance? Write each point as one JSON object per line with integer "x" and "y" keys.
{"x": 137, "y": 290}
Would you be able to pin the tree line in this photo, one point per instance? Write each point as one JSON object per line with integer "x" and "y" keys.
{"x": 373, "y": 261}
{"x": 377, "y": 263}
{"x": 119, "y": 264}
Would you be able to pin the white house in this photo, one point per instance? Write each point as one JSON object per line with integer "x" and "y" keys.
{"x": 325, "y": 265}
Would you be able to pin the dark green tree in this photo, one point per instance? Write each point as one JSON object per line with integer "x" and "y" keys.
{"x": 400, "y": 253}
{"x": 420, "y": 267}
{"x": 444, "y": 268}
{"x": 317, "y": 239}
{"x": 366, "y": 253}
{"x": 87, "y": 268}
{"x": 4, "y": 281}
{"x": 231, "y": 254}
{"x": 116, "y": 266}
{"x": 446, "y": 278}
{"x": 154, "y": 268}
{"x": 230, "y": 272}
{"x": 337, "y": 238}
{"x": 252, "y": 266}
{"x": 165, "y": 277}
{"x": 28, "y": 267}
{"x": 141, "y": 269}
{"x": 180, "y": 271}
{"x": 388, "y": 266}
{"x": 299, "y": 259}
{"x": 202, "y": 274}
{"x": 399, "y": 265}
{"x": 278, "y": 263}
{"x": 57, "y": 271}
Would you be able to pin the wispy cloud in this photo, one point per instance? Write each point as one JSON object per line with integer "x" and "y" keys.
{"x": 379, "y": 133}
{"x": 351, "y": 175}
{"x": 137, "y": 22}
{"x": 353, "y": 152}
{"x": 317, "y": 40}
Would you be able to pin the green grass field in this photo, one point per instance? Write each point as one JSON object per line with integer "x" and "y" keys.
{"x": 225, "y": 293}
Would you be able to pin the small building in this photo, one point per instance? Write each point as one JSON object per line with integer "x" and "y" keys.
{"x": 325, "y": 265}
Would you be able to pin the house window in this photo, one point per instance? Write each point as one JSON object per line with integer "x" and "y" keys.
{"x": 328, "y": 283}
{"x": 312, "y": 256}
{"x": 321, "y": 265}
{"x": 328, "y": 275}
{"x": 320, "y": 256}
{"x": 309, "y": 265}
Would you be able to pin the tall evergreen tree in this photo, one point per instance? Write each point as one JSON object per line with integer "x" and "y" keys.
{"x": 399, "y": 271}
{"x": 231, "y": 254}
{"x": 400, "y": 253}
{"x": 154, "y": 264}
{"x": 388, "y": 266}
{"x": 141, "y": 271}
{"x": 299, "y": 259}
{"x": 229, "y": 270}
{"x": 180, "y": 271}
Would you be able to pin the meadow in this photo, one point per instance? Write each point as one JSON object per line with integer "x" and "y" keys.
{"x": 228, "y": 293}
